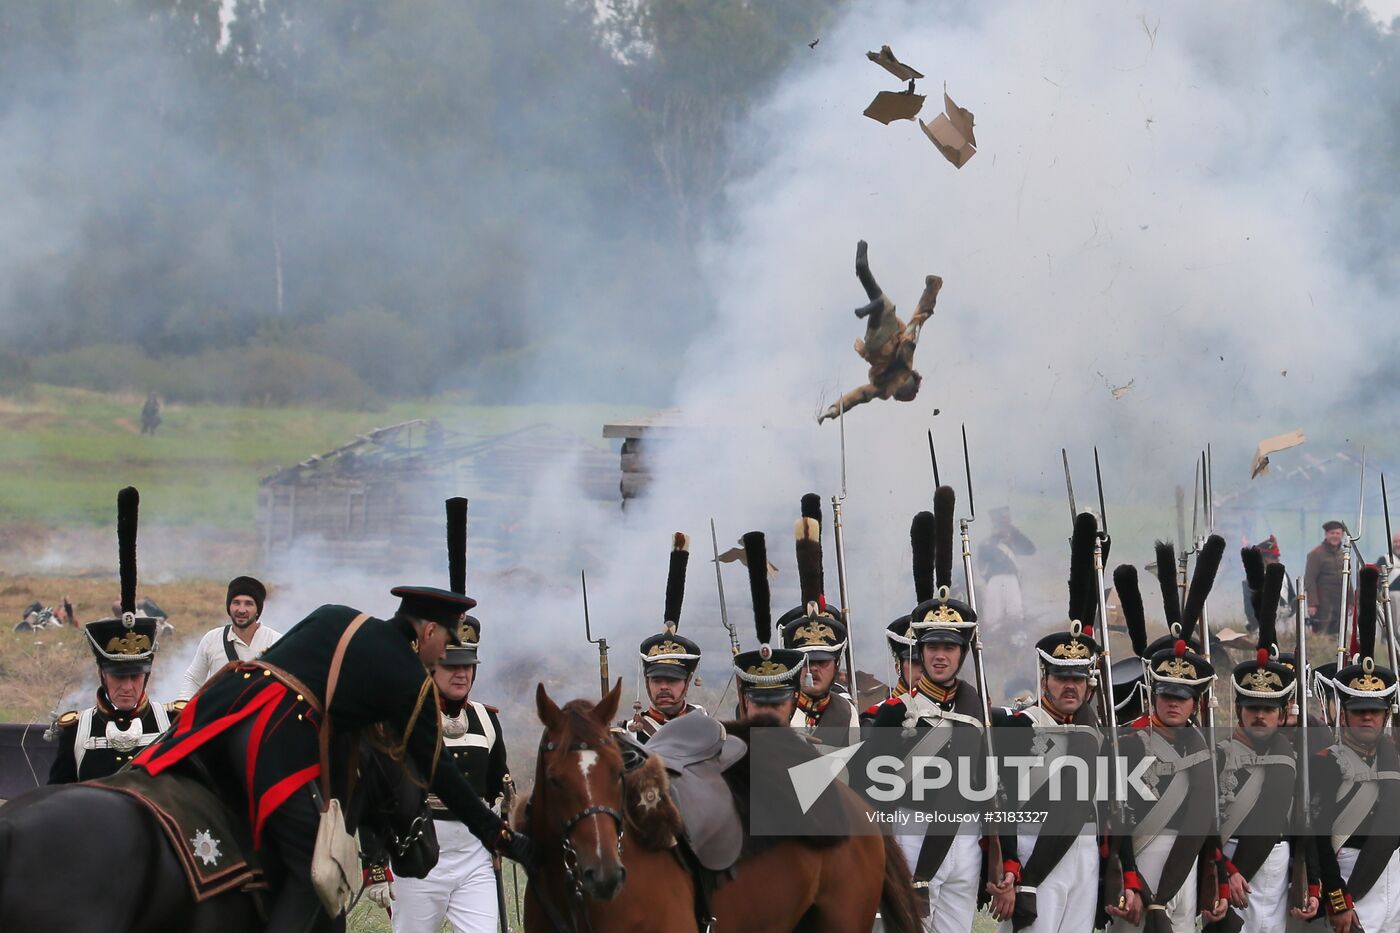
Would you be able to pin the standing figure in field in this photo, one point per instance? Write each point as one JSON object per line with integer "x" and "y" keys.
{"x": 150, "y": 414}
{"x": 889, "y": 343}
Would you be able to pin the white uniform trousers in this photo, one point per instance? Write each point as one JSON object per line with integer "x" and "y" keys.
{"x": 1379, "y": 910}
{"x": 952, "y": 891}
{"x": 1062, "y": 902}
{"x": 1267, "y": 911}
{"x": 999, "y": 600}
{"x": 1181, "y": 909}
{"x": 460, "y": 888}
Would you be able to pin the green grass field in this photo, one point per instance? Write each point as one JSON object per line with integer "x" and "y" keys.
{"x": 64, "y": 452}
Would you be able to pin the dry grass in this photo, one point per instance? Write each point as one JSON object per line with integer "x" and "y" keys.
{"x": 37, "y": 669}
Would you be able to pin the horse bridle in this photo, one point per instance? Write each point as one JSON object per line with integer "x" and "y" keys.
{"x": 573, "y": 879}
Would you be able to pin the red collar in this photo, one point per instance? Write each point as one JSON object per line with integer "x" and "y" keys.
{"x": 813, "y": 707}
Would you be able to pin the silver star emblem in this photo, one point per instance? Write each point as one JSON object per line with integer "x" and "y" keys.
{"x": 205, "y": 847}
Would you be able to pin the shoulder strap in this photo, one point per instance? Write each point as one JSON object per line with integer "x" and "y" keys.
{"x": 229, "y": 651}
{"x": 325, "y": 731}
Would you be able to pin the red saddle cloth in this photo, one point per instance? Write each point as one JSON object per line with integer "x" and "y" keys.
{"x": 211, "y": 845}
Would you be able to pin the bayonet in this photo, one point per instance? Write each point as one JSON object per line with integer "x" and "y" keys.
{"x": 601, "y": 642}
{"x": 933, "y": 458}
{"x": 1069, "y": 488}
{"x": 967, "y": 468}
{"x": 719, "y": 584}
{"x": 1103, "y": 512}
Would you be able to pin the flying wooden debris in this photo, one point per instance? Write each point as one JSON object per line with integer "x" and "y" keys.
{"x": 951, "y": 132}
{"x": 886, "y": 60}
{"x": 1272, "y": 445}
{"x": 889, "y": 106}
{"x": 1120, "y": 391}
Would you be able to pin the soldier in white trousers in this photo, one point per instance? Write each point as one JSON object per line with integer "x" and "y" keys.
{"x": 461, "y": 888}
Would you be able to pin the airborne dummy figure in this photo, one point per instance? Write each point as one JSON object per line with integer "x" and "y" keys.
{"x": 889, "y": 343}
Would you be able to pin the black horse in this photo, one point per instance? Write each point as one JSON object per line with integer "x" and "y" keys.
{"x": 82, "y": 859}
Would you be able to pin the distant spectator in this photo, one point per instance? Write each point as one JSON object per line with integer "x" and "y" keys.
{"x": 1322, "y": 579}
{"x": 150, "y": 414}
{"x": 1269, "y": 550}
{"x": 244, "y": 638}
{"x": 997, "y": 559}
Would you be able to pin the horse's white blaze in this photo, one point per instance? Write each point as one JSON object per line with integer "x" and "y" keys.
{"x": 586, "y": 761}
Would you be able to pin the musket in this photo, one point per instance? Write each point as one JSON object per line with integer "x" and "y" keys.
{"x": 994, "y": 854}
{"x": 841, "y": 565}
{"x": 1387, "y": 606}
{"x": 1343, "y": 643}
{"x": 1208, "y": 708}
{"x": 601, "y": 642}
{"x": 1115, "y": 803}
{"x": 1300, "y": 713}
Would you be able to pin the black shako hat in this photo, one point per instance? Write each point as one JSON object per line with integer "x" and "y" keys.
{"x": 668, "y": 654}
{"x": 766, "y": 675}
{"x": 125, "y": 644}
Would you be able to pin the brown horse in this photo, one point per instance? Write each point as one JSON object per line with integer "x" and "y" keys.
{"x": 589, "y": 844}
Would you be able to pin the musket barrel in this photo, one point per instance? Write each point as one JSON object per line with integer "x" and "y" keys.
{"x": 845, "y": 596}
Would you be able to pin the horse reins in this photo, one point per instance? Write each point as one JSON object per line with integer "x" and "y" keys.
{"x": 573, "y": 880}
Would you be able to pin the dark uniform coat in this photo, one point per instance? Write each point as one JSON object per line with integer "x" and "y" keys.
{"x": 473, "y": 741}
{"x": 1322, "y": 580}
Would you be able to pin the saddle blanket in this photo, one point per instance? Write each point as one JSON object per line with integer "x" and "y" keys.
{"x": 213, "y": 849}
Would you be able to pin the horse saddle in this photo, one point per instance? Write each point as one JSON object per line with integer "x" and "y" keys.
{"x": 696, "y": 750}
{"x": 210, "y": 844}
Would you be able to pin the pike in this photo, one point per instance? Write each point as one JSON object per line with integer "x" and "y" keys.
{"x": 1348, "y": 549}
{"x": 601, "y": 642}
{"x": 841, "y": 563}
{"x": 1388, "y": 605}
{"x": 993, "y": 840}
{"x": 1300, "y": 712}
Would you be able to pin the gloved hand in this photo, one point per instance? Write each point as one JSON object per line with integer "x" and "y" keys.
{"x": 516, "y": 847}
{"x": 379, "y": 886}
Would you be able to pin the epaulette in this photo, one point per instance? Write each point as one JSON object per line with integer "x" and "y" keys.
{"x": 68, "y": 720}
{"x": 1142, "y": 722}
{"x": 176, "y": 706}
{"x": 894, "y": 699}
{"x": 491, "y": 709}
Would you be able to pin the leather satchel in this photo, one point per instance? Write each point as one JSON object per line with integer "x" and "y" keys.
{"x": 335, "y": 860}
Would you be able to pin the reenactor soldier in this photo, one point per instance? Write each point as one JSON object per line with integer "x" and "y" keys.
{"x": 1257, "y": 774}
{"x": 1057, "y": 854}
{"x": 818, "y": 631}
{"x": 103, "y": 738}
{"x": 668, "y": 659}
{"x": 942, "y": 716}
{"x": 1356, "y": 790}
{"x": 1174, "y": 842}
{"x": 462, "y": 886}
{"x": 899, "y": 638}
{"x": 767, "y": 676}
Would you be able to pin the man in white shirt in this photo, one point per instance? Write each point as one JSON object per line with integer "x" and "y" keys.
{"x": 243, "y": 639}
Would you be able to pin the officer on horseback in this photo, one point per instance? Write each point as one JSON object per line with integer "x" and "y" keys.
{"x": 668, "y": 659}
{"x": 101, "y": 739}
{"x": 256, "y": 728}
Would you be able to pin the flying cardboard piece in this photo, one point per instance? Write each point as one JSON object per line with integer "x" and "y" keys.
{"x": 1272, "y": 445}
{"x": 1120, "y": 391}
{"x": 889, "y": 106}
{"x": 886, "y": 60}
{"x": 1238, "y": 640}
{"x": 951, "y": 132}
{"x": 737, "y": 553}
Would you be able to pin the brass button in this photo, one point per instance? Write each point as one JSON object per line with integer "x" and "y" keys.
{"x": 300, "y": 698}
{"x": 246, "y": 676}
{"x": 267, "y": 673}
